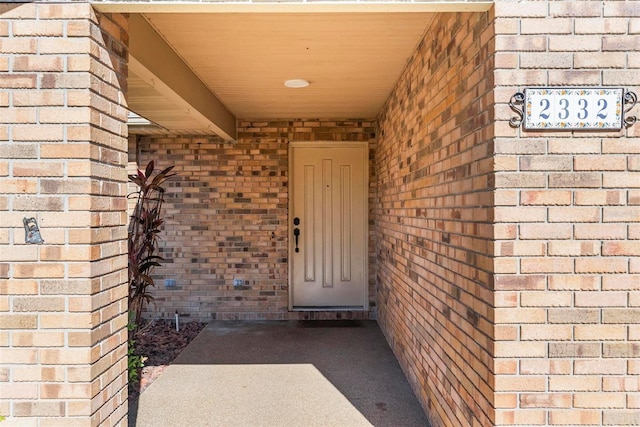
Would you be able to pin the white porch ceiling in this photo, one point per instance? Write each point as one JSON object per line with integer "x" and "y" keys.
{"x": 352, "y": 60}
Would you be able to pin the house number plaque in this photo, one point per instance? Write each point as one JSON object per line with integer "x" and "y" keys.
{"x": 573, "y": 108}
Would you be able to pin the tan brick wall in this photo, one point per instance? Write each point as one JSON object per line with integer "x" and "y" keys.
{"x": 566, "y": 251}
{"x": 62, "y": 155}
{"x": 226, "y": 219}
{"x": 506, "y": 262}
{"x": 433, "y": 220}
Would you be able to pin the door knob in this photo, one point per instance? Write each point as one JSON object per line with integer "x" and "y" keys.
{"x": 296, "y": 235}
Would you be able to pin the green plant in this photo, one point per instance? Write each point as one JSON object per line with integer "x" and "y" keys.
{"x": 135, "y": 362}
{"x": 144, "y": 227}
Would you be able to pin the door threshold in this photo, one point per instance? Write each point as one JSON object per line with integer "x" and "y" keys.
{"x": 338, "y": 323}
{"x": 328, "y": 308}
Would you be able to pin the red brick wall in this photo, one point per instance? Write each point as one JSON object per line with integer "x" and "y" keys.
{"x": 433, "y": 220}
{"x": 567, "y": 284}
{"x": 226, "y": 219}
{"x": 63, "y": 311}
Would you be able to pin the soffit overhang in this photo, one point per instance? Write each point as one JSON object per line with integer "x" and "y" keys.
{"x": 201, "y": 66}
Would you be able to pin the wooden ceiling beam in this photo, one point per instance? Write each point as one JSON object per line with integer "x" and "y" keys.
{"x": 155, "y": 62}
{"x": 168, "y": 6}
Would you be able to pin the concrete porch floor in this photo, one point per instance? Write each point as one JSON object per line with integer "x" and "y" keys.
{"x": 282, "y": 373}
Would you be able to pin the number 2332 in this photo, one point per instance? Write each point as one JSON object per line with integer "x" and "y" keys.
{"x": 564, "y": 109}
{"x": 579, "y": 109}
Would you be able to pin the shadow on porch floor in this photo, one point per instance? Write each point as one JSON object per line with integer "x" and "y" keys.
{"x": 282, "y": 373}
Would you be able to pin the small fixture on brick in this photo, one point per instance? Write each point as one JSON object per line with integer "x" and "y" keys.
{"x": 32, "y": 231}
{"x": 296, "y": 83}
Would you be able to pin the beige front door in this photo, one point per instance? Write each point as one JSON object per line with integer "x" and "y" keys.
{"x": 328, "y": 226}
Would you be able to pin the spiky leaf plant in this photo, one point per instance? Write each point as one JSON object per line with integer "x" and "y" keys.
{"x": 144, "y": 228}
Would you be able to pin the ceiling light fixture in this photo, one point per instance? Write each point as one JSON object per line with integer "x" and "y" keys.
{"x": 296, "y": 83}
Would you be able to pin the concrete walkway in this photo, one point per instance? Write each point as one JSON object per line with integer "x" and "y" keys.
{"x": 272, "y": 374}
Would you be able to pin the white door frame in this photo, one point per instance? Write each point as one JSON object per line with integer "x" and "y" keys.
{"x": 365, "y": 220}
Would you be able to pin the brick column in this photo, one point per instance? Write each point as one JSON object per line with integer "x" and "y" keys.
{"x": 63, "y": 304}
{"x": 567, "y": 288}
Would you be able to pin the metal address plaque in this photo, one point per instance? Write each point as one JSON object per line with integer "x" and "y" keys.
{"x": 572, "y": 108}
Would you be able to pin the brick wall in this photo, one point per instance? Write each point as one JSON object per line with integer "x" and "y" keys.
{"x": 567, "y": 287}
{"x": 433, "y": 220}
{"x": 226, "y": 219}
{"x": 563, "y": 265}
{"x": 62, "y": 154}
{"x": 504, "y": 266}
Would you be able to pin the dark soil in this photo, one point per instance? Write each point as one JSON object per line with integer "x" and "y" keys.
{"x": 160, "y": 343}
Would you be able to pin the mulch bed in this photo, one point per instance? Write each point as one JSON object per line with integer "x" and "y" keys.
{"x": 160, "y": 343}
